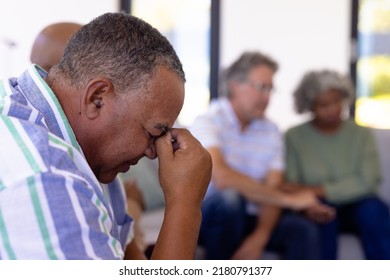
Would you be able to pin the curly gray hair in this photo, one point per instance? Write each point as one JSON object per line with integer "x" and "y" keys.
{"x": 239, "y": 70}
{"x": 315, "y": 83}
{"x": 119, "y": 46}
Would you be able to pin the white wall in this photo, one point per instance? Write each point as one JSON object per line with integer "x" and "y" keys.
{"x": 301, "y": 35}
{"x": 22, "y": 20}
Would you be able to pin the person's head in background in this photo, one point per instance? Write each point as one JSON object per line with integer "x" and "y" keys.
{"x": 50, "y": 43}
{"x": 248, "y": 83}
{"x": 121, "y": 86}
{"x": 326, "y": 94}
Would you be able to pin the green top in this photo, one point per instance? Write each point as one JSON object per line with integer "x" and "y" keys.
{"x": 345, "y": 164}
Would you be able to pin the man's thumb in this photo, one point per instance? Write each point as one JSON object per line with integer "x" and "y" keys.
{"x": 164, "y": 148}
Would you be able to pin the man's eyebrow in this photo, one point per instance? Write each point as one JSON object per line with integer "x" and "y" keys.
{"x": 164, "y": 128}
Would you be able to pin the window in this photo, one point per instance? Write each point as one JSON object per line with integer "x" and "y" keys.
{"x": 187, "y": 25}
{"x": 372, "y": 106}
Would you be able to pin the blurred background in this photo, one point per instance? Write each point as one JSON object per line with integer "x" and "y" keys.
{"x": 350, "y": 36}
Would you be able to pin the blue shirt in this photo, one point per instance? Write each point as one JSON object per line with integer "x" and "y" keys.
{"x": 51, "y": 204}
{"x": 254, "y": 152}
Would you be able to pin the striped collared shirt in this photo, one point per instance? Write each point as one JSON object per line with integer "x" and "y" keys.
{"x": 254, "y": 152}
{"x": 51, "y": 204}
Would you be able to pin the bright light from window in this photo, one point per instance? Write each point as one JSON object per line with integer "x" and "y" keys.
{"x": 186, "y": 24}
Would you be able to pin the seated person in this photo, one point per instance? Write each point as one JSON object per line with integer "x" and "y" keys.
{"x": 68, "y": 132}
{"x": 47, "y": 50}
{"x": 241, "y": 217}
{"x": 49, "y": 45}
{"x": 337, "y": 160}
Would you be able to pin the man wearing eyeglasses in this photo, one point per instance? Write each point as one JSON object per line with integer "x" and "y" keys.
{"x": 242, "y": 211}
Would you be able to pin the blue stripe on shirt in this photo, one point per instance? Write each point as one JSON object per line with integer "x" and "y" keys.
{"x": 70, "y": 211}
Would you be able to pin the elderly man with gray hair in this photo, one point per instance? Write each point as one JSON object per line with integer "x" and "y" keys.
{"x": 241, "y": 214}
{"x": 66, "y": 134}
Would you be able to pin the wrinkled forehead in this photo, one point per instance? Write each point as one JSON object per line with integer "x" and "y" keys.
{"x": 166, "y": 89}
{"x": 165, "y": 99}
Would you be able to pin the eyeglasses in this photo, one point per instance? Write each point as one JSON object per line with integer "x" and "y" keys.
{"x": 261, "y": 87}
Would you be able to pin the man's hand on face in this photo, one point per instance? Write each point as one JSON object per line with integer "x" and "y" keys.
{"x": 184, "y": 167}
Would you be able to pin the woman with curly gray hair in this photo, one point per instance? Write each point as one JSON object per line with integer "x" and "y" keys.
{"x": 315, "y": 83}
{"x": 338, "y": 161}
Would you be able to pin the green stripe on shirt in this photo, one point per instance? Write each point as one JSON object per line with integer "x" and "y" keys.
{"x": 18, "y": 138}
{"x": 103, "y": 219}
{"x": 31, "y": 183}
{"x": 3, "y": 93}
{"x": 61, "y": 143}
{"x": 60, "y": 111}
{"x": 4, "y": 236}
{"x": 41, "y": 218}
{"x": 115, "y": 244}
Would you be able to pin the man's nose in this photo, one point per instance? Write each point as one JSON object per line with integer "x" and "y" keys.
{"x": 150, "y": 151}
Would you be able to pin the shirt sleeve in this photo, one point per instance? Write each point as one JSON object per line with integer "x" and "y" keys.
{"x": 207, "y": 131}
{"x": 278, "y": 162}
{"x": 292, "y": 160}
{"x": 118, "y": 200}
{"x": 57, "y": 216}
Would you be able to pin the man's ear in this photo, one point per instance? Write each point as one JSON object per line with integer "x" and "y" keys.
{"x": 98, "y": 92}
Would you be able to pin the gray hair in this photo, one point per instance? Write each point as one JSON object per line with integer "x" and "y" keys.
{"x": 119, "y": 46}
{"x": 315, "y": 83}
{"x": 239, "y": 70}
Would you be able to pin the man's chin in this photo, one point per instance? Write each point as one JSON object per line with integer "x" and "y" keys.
{"x": 109, "y": 176}
{"x": 106, "y": 178}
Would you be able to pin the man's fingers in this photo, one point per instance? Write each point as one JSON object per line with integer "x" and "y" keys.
{"x": 164, "y": 147}
{"x": 180, "y": 137}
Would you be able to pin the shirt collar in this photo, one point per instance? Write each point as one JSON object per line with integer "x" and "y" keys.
{"x": 231, "y": 116}
{"x": 232, "y": 119}
{"x": 40, "y": 95}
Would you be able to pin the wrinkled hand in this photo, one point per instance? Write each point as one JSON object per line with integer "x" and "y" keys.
{"x": 320, "y": 213}
{"x": 184, "y": 167}
{"x": 289, "y": 187}
{"x": 302, "y": 199}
